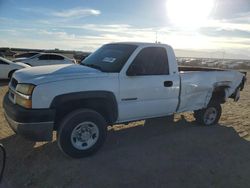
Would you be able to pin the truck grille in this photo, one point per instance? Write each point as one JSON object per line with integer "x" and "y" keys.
{"x": 13, "y": 83}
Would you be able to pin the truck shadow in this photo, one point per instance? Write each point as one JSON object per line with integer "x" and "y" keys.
{"x": 158, "y": 154}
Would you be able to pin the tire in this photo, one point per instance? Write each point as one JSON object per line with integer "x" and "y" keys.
{"x": 209, "y": 115}
{"x": 81, "y": 133}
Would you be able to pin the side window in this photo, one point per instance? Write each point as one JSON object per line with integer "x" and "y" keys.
{"x": 43, "y": 57}
{"x": 3, "y": 63}
{"x": 56, "y": 57}
{"x": 151, "y": 61}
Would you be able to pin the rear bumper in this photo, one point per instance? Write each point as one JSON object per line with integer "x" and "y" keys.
{"x": 33, "y": 124}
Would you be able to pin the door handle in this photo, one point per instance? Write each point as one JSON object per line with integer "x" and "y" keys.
{"x": 168, "y": 84}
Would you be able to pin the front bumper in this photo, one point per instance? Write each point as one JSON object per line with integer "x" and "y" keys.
{"x": 33, "y": 124}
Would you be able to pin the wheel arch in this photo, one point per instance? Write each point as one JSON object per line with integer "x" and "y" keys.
{"x": 219, "y": 94}
{"x": 104, "y": 102}
{"x": 11, "y": 72}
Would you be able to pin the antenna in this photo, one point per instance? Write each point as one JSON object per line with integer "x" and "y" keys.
{"x": 156, "y": 37}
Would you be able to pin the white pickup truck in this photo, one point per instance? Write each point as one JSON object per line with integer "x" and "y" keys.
{"x": 120, "y": 82}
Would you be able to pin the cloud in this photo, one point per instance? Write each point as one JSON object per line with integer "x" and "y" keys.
{"x": 76, "y": 13}
{"x": 221, "y": 24}
{"x": 57, "y": 34}
{"x": 63, "y": 33}
{"x": 243, "y": 17}
{"x": 121, "y": 30}
{"x": 239, "y": 21}
{"x": 229, "y": 9}
{"x": 81, "y": 40}
{"x": 67, "y": 13}
{"x": 238, "y": 18}
{"x": 63, "y": 39}
{"x": 101, "y": 27}
{"x": 91, "y": 41}
{"x": 218, "y": 32}
{"x": 36, "y": 10}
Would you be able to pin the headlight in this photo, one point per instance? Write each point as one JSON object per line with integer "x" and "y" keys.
{"x": 23, "y": 95}
{"x": 25, "y": 89}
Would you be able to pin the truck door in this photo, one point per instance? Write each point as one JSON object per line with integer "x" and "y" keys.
{"x": 147, "y": 89}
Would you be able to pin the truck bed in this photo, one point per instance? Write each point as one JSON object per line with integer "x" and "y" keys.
{"x": 191, "y": 68}
{"x": 198, "y": 83}
{"x": 183, "y": 69}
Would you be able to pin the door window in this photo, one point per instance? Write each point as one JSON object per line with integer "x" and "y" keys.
{"x": 150, "y": 61}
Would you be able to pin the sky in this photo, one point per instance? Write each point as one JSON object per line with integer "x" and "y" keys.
{"x": 213, "y": 28}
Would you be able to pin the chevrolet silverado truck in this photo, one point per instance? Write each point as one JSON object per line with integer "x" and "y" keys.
{"x": 118, "y": 83}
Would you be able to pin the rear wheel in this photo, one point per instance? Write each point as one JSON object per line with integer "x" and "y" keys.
{"x": 209, "y": 115}
{"x": 81, "y": 133}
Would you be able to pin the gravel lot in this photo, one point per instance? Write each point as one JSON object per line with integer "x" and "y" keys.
{"x": 155, "y": 153}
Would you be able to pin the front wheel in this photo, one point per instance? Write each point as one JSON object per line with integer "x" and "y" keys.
{"x": 209, "y": 115}
{"x": 81, "y": 133}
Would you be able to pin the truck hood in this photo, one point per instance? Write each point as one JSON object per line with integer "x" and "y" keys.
{"x": 42, "y": 74}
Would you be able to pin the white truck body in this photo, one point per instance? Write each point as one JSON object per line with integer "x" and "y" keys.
{"x": 153, "y": 99}
{"x": 197, "y": 87}
{"x": 113, "y": 85}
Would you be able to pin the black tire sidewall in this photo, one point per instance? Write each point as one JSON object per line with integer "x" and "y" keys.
{"x": 70, "y": 122}
{"x": 218, "y": 108}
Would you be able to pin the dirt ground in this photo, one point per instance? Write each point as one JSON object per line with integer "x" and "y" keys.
{"x": 156, "y": 153}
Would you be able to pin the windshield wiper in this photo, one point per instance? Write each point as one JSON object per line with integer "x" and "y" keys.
{"x": 93, "y": 66}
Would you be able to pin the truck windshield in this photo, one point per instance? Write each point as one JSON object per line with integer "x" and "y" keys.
{"x": 110, "y": 57}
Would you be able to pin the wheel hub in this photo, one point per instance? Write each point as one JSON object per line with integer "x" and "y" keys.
{"x": 210, "y": 115}
{"x": 84, "y": 135}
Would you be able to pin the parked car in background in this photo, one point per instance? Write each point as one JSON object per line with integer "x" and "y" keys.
{"x": 26, "y": 54}
{"x": 81, "y": 56}
{"x": 46, "y": 59}
{"x": 7, "y": 68}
